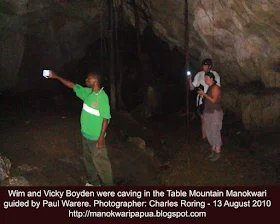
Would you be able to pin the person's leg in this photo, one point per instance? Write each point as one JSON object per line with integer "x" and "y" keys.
{"x": 92, "y": 175}
{"x": 213, "y": 152}
{"x": 216, "y": 129}
{"x": 203, "y": 133}
{"x": 103, "y": 165}
{"x": 207, "y": 128}
{"x": 202, "y": 128}
{"x": 218, "y": 149}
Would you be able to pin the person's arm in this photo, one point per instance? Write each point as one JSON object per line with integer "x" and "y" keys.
{"x": 105, "y": 114}
{"x": 195, "y": 81}
{"x": 104, "y": 127}
{"x": 101, "y": 140}
{"x": 215, "y": 93}
{"x": 65, "y": 82}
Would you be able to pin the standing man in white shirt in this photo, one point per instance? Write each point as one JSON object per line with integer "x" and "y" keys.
{"x": 200, "y": 83}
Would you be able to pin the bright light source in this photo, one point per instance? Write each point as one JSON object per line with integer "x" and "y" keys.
{"x": 189, "y": 73}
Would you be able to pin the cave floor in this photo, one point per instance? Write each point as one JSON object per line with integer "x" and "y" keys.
{"x": 44, "y": 146}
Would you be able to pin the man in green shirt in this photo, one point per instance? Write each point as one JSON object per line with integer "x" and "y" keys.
{"x": 94, "y": 119}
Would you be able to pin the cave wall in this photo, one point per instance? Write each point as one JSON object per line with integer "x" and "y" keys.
{"x": 242, "y": 39}
{"x": 241, "y": 36}
{"x": 64, "y": 32}
{"x": 12, "y": 49}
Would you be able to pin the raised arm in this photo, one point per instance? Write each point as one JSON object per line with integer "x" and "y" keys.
{"x": 65, "y": 82}
{"x": 195, "y": 81}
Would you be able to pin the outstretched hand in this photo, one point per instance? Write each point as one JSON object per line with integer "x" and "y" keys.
{"x": 53, "y": 75}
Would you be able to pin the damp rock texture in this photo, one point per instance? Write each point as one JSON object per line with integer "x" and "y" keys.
{"x": 5, "y": 166}
{"x": 44, "y": 34}
{"x": 257, "y": 108}
{"x": 5, "y": 178}
{"x": 241, "y": 36}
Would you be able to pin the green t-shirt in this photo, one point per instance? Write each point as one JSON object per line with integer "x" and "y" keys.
{"x": 95, "y": 108}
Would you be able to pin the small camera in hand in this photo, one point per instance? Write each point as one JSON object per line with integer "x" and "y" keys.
{"x": 199, "y": 87}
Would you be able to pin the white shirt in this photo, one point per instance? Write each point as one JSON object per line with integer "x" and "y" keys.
{"x": 199, "y": 79}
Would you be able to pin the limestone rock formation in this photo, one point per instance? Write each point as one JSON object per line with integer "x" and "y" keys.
{"x": 241, "y": 36}
{"x": 51, "y": 32}
{"x": 258, "y": 108}
{"x": 5, "y": 166}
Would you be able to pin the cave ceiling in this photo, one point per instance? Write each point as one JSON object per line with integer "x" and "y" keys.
{"x": 241, "y": 36}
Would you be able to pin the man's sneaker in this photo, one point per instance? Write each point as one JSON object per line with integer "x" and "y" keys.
{"x": 216, "y": 157}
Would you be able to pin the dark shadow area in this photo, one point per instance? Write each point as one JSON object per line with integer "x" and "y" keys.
{"x": 40, "y": 126}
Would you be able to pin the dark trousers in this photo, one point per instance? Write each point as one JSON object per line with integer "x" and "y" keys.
{"x": 97, "y": 163}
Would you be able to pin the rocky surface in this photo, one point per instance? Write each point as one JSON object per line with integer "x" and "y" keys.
{"x": 241, "y": 37}
{"x": 5, "y": 166}
{"x": 6, "y": 179}
{"x": 257, "y": 107}
{"x": 46, "y": 151}
{"x": 54, "y": 34}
